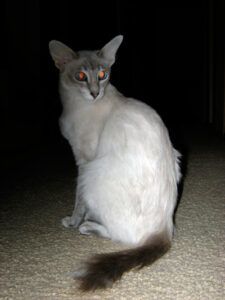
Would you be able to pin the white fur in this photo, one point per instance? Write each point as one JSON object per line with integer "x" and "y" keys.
{"x": 128, "y": 169}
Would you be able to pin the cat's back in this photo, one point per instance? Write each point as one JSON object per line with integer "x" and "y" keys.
{"x": 142, "y": 113}
{"x": 134, "y": 124}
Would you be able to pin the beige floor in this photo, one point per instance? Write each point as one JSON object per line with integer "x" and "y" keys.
{"x": 37, "y": 253}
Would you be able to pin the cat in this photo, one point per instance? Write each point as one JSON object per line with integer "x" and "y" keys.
{"x": 128, "y": 170}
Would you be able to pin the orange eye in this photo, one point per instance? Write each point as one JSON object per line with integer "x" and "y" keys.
{"x": 102, "y": 75}
{"x": 81, "y": 76}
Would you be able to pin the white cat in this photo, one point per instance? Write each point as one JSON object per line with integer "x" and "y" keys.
{"x": 128, "y": 169}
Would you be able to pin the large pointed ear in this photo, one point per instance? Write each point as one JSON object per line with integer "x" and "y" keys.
{"x": 110, "y": 49}
{"x": 61, "y": 54}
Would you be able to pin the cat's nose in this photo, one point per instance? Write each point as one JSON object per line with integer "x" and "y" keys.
{"x": 94, "y": 94}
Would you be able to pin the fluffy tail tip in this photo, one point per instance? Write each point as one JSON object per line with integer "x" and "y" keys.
{"x": 104, "y": 269}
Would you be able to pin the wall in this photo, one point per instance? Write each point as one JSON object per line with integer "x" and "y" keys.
{"x": 163, "y": 61}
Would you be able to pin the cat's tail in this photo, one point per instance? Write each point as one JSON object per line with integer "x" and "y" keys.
{"x": 104, "y": 269}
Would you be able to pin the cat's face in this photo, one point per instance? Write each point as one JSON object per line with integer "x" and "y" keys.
{"x": 86, "y": 72}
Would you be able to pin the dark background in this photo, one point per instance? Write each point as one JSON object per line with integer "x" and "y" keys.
{"x": 172, "y": 57}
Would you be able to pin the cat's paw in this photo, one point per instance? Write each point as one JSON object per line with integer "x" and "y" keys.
{"x": 68, "y": 222}
{"x": 85, "y": 229}
{"x": 89, "y": 227}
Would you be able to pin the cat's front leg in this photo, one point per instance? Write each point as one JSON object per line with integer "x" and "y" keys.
{"x": 78, "y": 215}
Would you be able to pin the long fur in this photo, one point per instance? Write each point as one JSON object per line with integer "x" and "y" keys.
{"x": 128, "y": 168}
{"x": 105, "y": 269}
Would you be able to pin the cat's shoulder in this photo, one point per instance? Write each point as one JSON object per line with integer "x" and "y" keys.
{"x": 140, "y": 110}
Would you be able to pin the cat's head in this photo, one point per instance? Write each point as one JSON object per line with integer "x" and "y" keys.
{"x": 87, "y": 72}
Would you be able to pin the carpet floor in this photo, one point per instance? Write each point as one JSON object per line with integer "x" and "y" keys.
{"x": 37, "y": 253}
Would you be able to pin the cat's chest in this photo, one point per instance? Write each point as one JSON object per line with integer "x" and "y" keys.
{"x": 82, "y": 129}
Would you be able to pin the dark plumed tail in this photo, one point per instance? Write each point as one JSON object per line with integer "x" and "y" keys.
{"x": 104, "y": 269}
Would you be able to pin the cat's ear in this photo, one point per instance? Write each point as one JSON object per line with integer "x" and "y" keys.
{"x": 61, "y": 54}
{"x": 110, "y": 49}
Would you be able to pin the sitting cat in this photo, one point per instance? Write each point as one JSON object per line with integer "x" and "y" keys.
{"x": 128, "y": 169}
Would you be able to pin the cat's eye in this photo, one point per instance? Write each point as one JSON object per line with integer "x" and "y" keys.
{"x": 102, "y": 75}
{"x": 81, "y": 76}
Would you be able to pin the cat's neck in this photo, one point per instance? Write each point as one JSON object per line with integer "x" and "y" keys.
{"x": 73, "y": 102}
